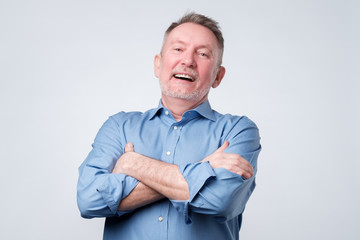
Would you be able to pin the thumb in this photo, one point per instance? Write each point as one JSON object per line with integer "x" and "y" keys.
{"x": 223, "y": 147}
{"x": 129, "y": 147}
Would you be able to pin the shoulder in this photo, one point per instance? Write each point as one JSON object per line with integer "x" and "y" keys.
{"x": 120, "y": 119}
{"x": 236, "y": 127}
{"x": 123, "y": 120}
{"x": 242, "y": 134}
{"x": 122, "y": 116}
{"x": 231, "y": 121}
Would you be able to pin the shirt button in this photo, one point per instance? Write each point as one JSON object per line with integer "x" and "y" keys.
{"x": 160, "y": 219}
{"x": 175, "y": 128}
{"x": 166, "y": 112}
{"x": 168, "y": 153}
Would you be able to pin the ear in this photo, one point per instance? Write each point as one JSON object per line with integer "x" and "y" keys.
{"x": 157, "y": 64}
{"x": 219, "y": 76}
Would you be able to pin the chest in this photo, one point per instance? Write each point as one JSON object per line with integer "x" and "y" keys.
{"x": 176, "y": 143}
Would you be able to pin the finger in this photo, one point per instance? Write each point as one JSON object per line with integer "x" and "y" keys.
{"x": 223, "y": 147}
{"x": 250, "y": 172}
{"x": 245, "y": 173}
{"x": 129, "y": 147}
{"x": 246, "y": 170}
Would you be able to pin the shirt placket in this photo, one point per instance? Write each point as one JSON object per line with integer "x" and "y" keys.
{"x": 168, "y": 155}
{"x": 172, "y": 139}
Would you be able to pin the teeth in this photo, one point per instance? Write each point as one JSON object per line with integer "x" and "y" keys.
{"x": 184, "y": 76}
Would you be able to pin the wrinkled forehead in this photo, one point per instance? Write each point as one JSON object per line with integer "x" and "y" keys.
{"x": 192, "y": 33}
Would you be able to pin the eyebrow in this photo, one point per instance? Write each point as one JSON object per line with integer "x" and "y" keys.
{"x": 184, "y": 43}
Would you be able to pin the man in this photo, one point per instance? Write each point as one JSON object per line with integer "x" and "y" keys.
{"x": 181, "y": 170}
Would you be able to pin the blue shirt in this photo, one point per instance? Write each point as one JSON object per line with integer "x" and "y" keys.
{"x": 217, "y": 196}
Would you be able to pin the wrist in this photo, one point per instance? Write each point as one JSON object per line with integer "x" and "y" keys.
{"x": 127, "y": 162}
{"x": 124, "y": 163}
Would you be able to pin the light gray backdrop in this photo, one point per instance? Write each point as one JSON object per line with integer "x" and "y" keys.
{"x": 292, "y": 67}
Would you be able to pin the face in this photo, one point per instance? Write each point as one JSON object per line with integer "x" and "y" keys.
{"x": 188, "y": 64}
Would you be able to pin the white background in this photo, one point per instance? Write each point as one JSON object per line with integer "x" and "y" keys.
{"x": 292, "y": 67}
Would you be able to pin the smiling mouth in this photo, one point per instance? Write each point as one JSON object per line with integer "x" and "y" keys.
{"x": 184, "y": 77}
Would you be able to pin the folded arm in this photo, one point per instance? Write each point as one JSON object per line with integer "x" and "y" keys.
{"x": 141, "y": 195}
{"x": 220, "y": 190}
{"x": 159, "y": 179}
{"x": 98, "y": 190}
{"x": 218, "y": 185}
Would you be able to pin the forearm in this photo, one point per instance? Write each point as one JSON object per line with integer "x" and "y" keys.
{"x": 217, "y": 192}
{"x": 98, "y": 195}
{"x": 141, "y": 195}
{"x": 162, "y": 177}
{"x": 226, "y": 197}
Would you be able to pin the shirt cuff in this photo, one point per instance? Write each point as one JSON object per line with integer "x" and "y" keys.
{"x": 196, "y": 175}
{"x": 117, "y": 187}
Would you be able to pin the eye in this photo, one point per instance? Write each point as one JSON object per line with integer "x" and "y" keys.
{"x": 178, "y": 49}
{"x": 204, "y": 54}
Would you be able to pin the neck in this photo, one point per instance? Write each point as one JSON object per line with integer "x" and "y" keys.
{"x": 179, "y": 106}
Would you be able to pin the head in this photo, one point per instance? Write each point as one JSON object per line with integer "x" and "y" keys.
{"x": 204, "y": 21}
{"x": 190, "y": 60}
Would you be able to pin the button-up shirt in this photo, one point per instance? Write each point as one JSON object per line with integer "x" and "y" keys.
{"x": 217, "y": 196}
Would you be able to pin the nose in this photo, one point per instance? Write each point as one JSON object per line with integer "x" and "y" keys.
{"x": 188, "y": 60}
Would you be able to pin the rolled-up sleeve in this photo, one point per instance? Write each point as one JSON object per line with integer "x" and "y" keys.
{"x": 219, "y": 192}
{"x": 99, "y": 191}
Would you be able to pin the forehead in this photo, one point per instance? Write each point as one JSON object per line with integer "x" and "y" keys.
{"x": 192, "y": 33}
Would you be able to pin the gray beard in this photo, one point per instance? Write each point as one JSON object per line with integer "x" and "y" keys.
{"x": 183, "y": 95}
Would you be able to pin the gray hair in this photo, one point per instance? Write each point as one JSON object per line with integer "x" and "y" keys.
{"x": 204, "y": 21}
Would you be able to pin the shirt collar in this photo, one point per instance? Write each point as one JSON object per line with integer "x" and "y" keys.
{"x": 203, "y": 109}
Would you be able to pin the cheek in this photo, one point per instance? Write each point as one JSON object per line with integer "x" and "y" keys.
{"x": 166, "y": 67}
{"x": 207, "y": 74}
{"x": 164, "y": 72}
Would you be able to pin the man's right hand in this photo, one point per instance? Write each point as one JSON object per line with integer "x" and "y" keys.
{"x": 230, "y": 161}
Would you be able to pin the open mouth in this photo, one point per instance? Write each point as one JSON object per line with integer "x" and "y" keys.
{"x": 184, "y": 77}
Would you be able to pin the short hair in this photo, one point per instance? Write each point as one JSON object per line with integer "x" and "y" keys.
{"x": 204, "y": 21}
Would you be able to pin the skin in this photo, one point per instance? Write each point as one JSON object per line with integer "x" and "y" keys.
{"x": 193, "y": 50}
{"x": 189, "y": 49}
{"x": 136, "y": 198}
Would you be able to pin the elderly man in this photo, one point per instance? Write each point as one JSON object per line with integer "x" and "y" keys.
{"x": 181, "y": 170}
